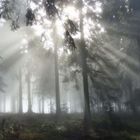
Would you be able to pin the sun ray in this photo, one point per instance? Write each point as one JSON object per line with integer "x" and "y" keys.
{"x": 122, "y": 65}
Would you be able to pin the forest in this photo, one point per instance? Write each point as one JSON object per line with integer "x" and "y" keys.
{"x": 69, "y": 69}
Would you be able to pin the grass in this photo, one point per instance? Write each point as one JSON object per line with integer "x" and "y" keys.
{"x": 69, "y": 127}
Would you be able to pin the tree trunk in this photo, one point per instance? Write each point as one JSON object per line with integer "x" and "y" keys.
{"x": 39, "y": 104}
{"x": 87, "y": 113}
{"x": 4, "y": 103}
{"x": 0, "y": 103}
{"x": 13, "y": 104}
{"x": 57, "y": 88}
{"x": 51, "y": 107}
{"x": 29, "y": 92}
{"x": 43, "y": 109}
{"x": 20, "y": 92}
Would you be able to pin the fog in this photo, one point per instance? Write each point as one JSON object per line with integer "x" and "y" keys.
{"x": 73, "y": 64}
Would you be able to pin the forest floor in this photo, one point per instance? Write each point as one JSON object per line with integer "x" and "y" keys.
{"x": 69, "y": 127}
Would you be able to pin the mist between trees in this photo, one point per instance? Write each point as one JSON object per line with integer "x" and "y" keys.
{"x": 70, "y": 57}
